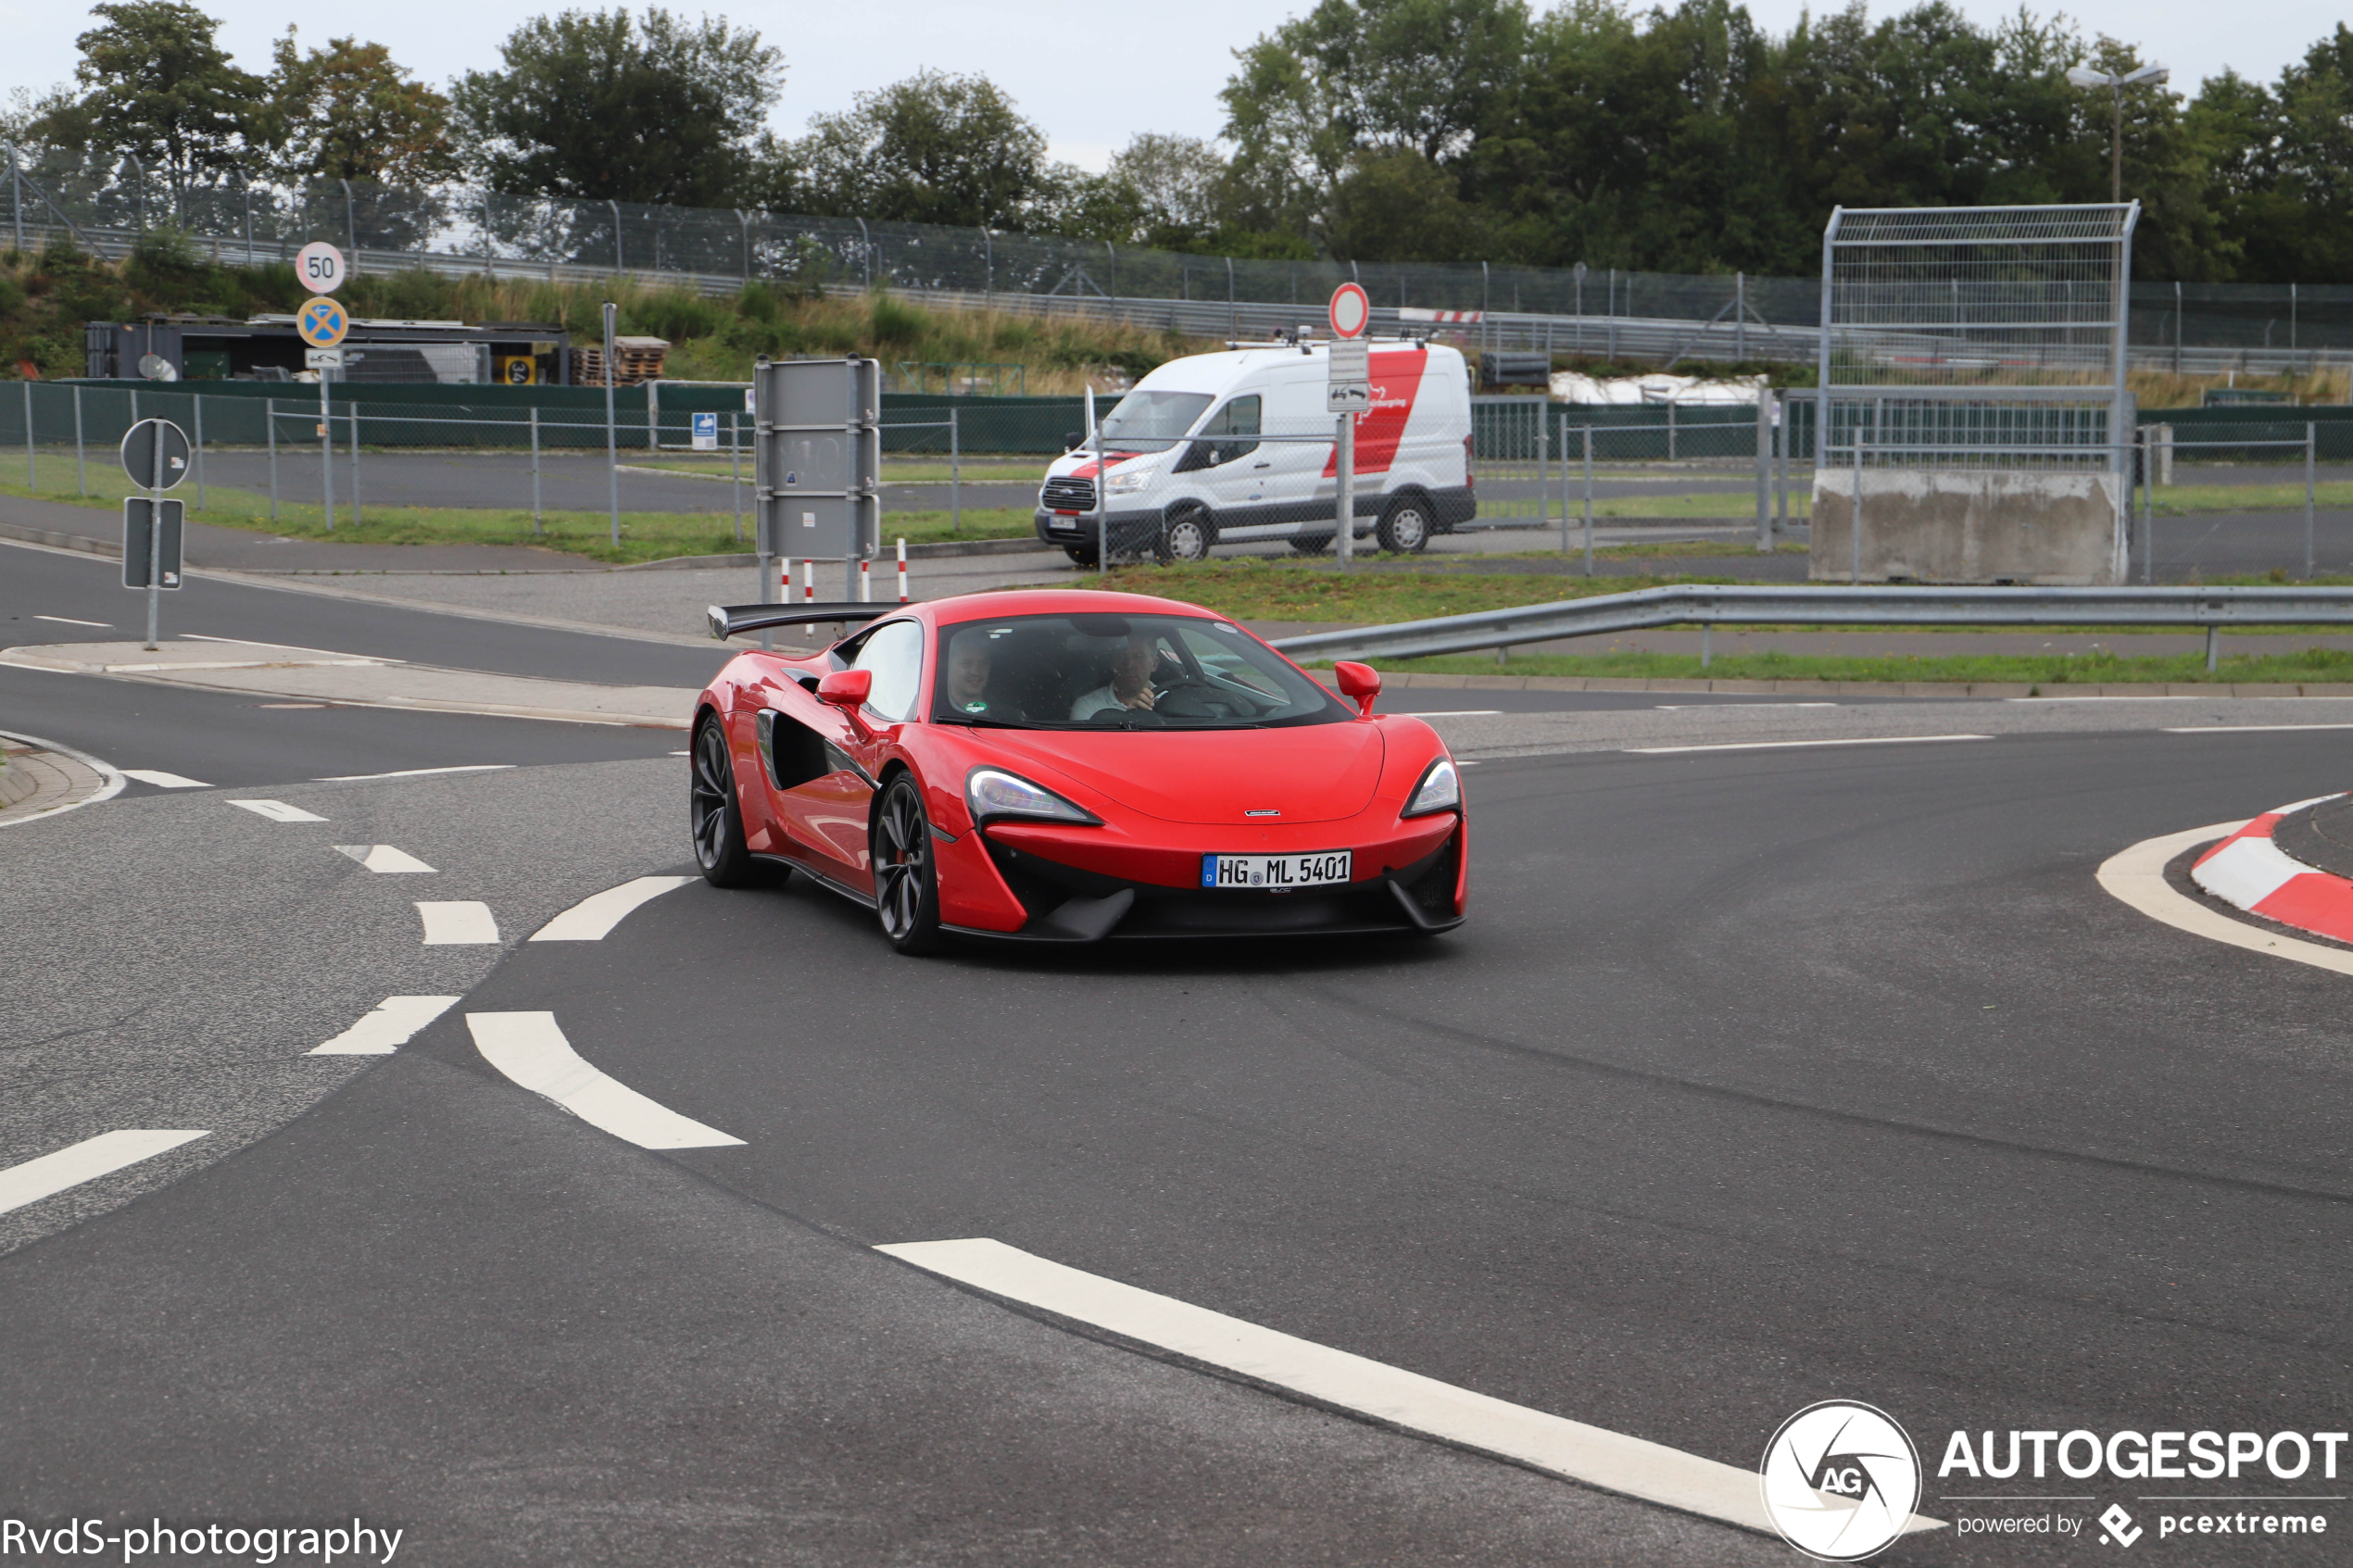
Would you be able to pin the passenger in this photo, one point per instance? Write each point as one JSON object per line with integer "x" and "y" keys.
{"x": 1130, "y": 684}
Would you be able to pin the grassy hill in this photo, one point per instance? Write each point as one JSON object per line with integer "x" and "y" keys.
{"x": 46, "y": 296}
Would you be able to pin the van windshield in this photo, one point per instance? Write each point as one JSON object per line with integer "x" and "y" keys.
{"x": 1150, "y": 422}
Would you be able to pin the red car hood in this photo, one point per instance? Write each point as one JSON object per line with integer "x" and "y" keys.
{"x": 1314, "y": 773}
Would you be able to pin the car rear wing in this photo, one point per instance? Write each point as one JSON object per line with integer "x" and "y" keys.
{"x": 727, "y": 621}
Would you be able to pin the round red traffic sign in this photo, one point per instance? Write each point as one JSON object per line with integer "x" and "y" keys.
{"x": 319, "y": 267}
{"x": 1351, "y": 312}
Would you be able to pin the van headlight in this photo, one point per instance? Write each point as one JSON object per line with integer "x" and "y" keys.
{"x": 1127, "y": 482}
{"x": 1440, "y": 790}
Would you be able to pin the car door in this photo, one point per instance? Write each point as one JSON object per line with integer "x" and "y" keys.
{"x": 823, "y": 772}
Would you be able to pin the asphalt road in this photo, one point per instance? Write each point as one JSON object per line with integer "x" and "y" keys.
{"x": 1756, "y": 1078}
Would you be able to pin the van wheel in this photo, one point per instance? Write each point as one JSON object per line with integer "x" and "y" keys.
{"x": 1310, "y": 544}
{"x": 1083, "y": 554}
{"x": 1405, "y": 528}
{"x": 1188, "y": 536}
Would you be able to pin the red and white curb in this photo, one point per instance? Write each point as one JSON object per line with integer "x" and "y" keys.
{"x": 2251, "y": 872}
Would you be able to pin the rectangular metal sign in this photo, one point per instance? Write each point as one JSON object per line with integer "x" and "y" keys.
{"x": 138, "y": 524}
{"x": 817, "y": 457}
{"x": 322, "y": 358}
{"x": 706, "y": 433}
{"x": 1349, "y": 387}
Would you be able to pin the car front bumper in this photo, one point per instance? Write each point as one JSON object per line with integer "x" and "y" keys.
{"x": 1045, "y": 882}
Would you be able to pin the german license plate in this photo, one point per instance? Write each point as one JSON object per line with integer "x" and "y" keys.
{"x": 1275, "y": 872}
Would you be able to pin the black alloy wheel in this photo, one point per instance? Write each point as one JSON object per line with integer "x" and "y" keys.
{"x": 1188, "y": 537}
{"x": 714, "y": 814}
{"x": 906, "y": 879}
{"x": 1405, "y": 528}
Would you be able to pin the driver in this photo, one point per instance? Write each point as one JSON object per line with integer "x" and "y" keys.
{"x": 1130, "y": 684}
{"x": 968, "y": 666}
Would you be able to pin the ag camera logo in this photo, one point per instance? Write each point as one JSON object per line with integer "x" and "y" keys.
{"x": 1840, "y": 1480}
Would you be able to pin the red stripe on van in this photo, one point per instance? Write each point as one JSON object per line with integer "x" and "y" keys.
{"x": 1088, "y": 470}
{"x": 1397, "y": 380}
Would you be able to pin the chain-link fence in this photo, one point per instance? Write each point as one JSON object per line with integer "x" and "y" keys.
{"x": 1594, "y": 312}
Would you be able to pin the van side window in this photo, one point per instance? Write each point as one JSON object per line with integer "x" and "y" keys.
{"x": 1216, "y": 442}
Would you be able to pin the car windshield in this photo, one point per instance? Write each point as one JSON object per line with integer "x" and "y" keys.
{"x": 1120, "y": 673}
{"x": 1150, "y": 422}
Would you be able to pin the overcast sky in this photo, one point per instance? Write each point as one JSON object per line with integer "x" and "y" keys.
{"x": 1069, "y": 66}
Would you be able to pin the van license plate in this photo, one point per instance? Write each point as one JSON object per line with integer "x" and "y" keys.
{"x": 1275, "y": 872}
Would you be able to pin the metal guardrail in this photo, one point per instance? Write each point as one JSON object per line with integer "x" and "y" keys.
{"x": 2206, "y": 609}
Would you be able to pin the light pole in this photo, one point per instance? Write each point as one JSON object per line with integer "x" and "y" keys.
{"x": 2116, "y": 84}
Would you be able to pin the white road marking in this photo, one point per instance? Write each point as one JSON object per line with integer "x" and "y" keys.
{"x": 416, "y": 772}
{"x": 2154, "y": 696}
{"x": 69, "y": 621}
{"x": 278, "y": 811}
{"x": 1451, "y": 713}
{"x": 2138, "y": 876}
{"x": 382, "y": 858}
{"x": 1732, "y": 706}
{"x": 530, "y": 1048}
{"x": 92, "y": 1158}
{"x": 392, "y": 1026}
{"x": 2243, "y": 729}
{"x": 162, "y": 780}
{"x": 682, "y": 754}
{"x": 593, "y": 918}
{"x": 457, "y": 923}
{"x": 1391, "y": 1395}
{"x": 1785, "y": 744}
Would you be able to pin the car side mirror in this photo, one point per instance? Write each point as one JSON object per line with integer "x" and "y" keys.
{"x": 848, "y": 690}
{"x": 1197, "y": 455}
{"x": 1358, "y": 682}
{"x": 1073, "y": 440}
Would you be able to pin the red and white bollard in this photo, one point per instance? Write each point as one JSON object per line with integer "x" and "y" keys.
{"x": 865, "y": 575}
{"x": 786, "y": 595}
{"x": 902, "y": 572}
{"x": 809, "y": 582}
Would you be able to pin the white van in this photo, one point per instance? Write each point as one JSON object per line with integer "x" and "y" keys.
{"x": 1238, "y": 445}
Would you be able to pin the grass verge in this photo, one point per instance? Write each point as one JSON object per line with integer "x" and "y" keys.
{"x": 2045, "y": 673}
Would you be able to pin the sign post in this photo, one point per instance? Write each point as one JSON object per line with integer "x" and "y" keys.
{"x": 321, "y": 325}
{"x": 155, "y": 456}
{"x": 1348, "y": 391}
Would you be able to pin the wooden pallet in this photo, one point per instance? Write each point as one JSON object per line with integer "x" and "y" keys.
{"x": 635, "y": 361}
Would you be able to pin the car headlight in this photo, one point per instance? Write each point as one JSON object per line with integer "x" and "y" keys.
{"x": 1129, "y": 481}
{"x": 1440, "y": 790}
{"x": 992, "y": 792}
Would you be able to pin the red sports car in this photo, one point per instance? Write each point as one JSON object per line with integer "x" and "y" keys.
{"x": 1063, "y": 766}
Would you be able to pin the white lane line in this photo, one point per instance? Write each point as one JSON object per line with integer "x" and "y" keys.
{"x": 415, "y": 772}
{"x": 2159, "y": 697}
{"x": 1451, "y": 713}
{"x": 2136, "y": 875}
{"x": 92, "y": 1158}
{"x": 593, "y": 918}
{"x": 2243, "y": 729}
{"x": 69, "y": 621}
{"x": 530, "y": 1048}
{"x": 1571, "y": 1448}
{"x": 278, "y": 811}
{"x": 457, "y": 923}
{"x": 382, "y": 858}
{"x": 1732, "y": 705}
{"x": 1787, "y": 745}
{"x": 391, "y": 1025}
{"x": 162, "y": 780}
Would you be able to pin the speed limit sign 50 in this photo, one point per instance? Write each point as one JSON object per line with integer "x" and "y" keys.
{"x": 319, "y": 267}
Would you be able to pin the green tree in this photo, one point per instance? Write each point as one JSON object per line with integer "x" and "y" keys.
{"x": 161, "y": 89}
{"x": 347, "y": 112}
{"x": 593, "y": 105}
{"x": 935, "y": 148}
